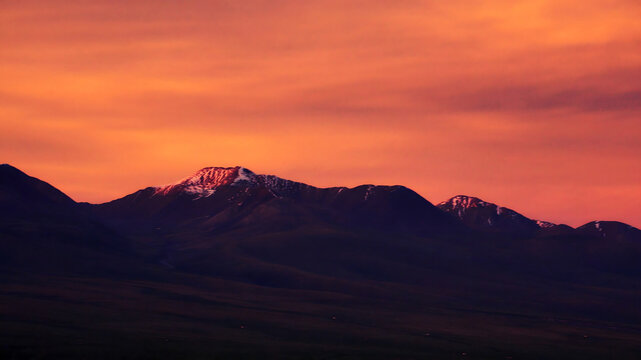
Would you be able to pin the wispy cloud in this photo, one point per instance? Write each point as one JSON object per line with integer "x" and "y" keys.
{"x": 534, "y": 104}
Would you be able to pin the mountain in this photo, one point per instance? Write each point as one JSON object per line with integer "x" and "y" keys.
{"x": 212, "y": 221}
{"x": 22, "y": 195}
{"x": 231, "y": 264}
{"x": 494, "y": 220}
{"x": 611, "y": 230}
{"x": 217, "y": 199}
{"x": 44, "y": 230}
{"x": 489, "y": 217}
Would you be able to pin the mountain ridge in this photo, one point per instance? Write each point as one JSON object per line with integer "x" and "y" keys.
{"x": 227, "y": 195}
{"x": 205, "y": 181}
{"x": 484, "y": 216}
{"x": 332, "y": 272}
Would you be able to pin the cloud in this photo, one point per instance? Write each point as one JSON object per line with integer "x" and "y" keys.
{"x": 498, "y": 98}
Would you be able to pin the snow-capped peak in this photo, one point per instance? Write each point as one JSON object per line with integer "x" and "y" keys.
{"x": 460, "y": 204}
{"x": 205, "y": 181}
{"x": 545, "y": 224}
{"x": 464, "y": 201}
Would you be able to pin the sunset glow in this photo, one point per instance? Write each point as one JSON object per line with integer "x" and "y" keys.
{"x": 536, "y": 107}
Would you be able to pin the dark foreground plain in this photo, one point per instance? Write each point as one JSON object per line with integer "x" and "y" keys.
{"x": 267, "y": 269}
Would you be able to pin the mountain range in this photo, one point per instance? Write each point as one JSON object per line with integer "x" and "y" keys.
{"x": 229, "y": 263}
{"x": 223, "y": 195}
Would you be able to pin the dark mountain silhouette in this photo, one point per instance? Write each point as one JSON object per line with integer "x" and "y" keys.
{"x": 488, "y": 217}
{"x": 223, "y": 198}
{"x": 611, "y": 230}
{"x": 230, "y": 264}
{"x": 44, "y": 230}
{"x": 22, "y": 195}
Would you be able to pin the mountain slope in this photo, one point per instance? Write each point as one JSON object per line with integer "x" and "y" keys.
{"x": 214, "y": 199}
{"x": 489, "y": 217}
{"x": 23, "y": 195}
{"x": 611, "y": 230}
{"x": 231, "y": 264}
{"x": 43, "y": 230}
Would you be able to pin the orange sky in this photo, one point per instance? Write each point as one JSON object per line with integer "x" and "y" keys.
{"x": 535, "y": 105}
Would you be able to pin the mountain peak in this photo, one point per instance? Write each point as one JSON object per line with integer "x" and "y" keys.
{"x": 483, "y": 215}
{"x": 20, "y": 192}
{"x": 464, "y": 206}
{"x": 610, "y": 229}
{"x": 218, "y": 176}
{"x": 206, "y": 180}
{"x": 460, "y": 204}
{"x": 8, "y": 167}
{"x": 464, "y": 201}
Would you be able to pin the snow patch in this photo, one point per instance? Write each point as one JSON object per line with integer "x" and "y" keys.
{"x": 545, "y": 224}
{"x": 205, "y": 182}
{"x": 244, "y": 175}
{"x": 368, "y": 192}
